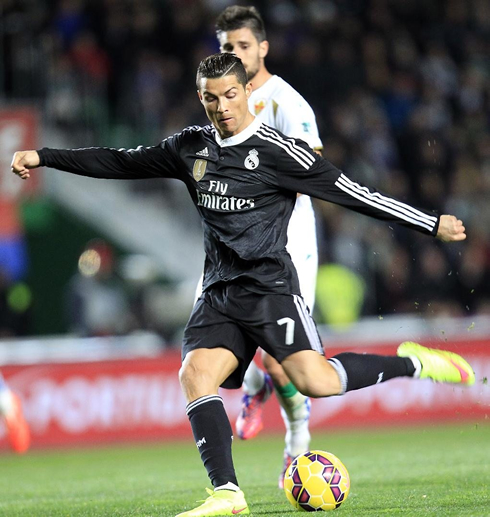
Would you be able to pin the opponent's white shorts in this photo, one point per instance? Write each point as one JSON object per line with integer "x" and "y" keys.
{"x": 302, "y": 246}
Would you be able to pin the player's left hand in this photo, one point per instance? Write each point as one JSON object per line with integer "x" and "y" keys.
{"x": 450, "y": 229}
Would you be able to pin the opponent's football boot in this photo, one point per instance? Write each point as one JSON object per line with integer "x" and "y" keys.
{"x": 287, "y": 461}
{"x": 19, "y": 435}
{"x": 439, "y": 365}
{"x": 221, "y": 502}
{"x": 249, "y": 422}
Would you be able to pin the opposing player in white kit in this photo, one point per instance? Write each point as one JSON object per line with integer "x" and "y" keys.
{"x": 275, "y": 102}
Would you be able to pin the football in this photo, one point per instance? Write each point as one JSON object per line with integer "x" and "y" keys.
{"x": 316, "y": 481}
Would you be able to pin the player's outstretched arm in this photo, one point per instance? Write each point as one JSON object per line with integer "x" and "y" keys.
{"x": 450, "y": 229}
{"x": 23, "y": 161}
{"x": 104, "y": 162}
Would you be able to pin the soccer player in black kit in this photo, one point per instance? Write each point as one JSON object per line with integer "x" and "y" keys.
{"x": 243, "y": 177}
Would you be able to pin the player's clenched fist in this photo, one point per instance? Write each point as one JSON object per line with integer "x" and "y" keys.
{"x": 451, "y": 229}
{"x": 23, "y": 161}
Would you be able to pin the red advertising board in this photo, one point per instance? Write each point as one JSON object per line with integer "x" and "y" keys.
{"x": 140, "y": 399}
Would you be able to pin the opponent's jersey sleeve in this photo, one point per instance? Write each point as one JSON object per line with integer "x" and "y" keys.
{"x": 162, "y": 160}
{"x": 301, "y": 170}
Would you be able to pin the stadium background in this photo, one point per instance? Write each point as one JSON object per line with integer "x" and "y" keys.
{"x": 401, "y": 91}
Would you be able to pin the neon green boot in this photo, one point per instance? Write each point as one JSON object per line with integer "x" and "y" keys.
{"x": 439, "y": 365}
{"x": 222, "y": 502}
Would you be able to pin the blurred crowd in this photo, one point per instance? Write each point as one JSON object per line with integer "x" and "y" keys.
{"x": 401, "y": 91}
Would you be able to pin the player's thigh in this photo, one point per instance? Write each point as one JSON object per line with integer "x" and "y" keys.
{"x": 312, "y": 374}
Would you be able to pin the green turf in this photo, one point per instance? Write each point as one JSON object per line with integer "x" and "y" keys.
{"x": 437, "y": 471}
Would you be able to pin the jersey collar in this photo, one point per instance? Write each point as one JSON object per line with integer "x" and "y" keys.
{"x": 241, "y": 137}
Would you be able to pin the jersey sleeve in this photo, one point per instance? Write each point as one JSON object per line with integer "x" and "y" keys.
{"x": 296, "y": 118}
{"x": 301, "y": 170}
{"x": 161, "y": 160}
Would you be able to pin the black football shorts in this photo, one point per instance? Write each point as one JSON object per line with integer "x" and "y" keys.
{"x": 231, "y": 317}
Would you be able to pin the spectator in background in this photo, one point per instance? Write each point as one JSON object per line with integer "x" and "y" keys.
{"x": 15, "y": 296}
{"x": 13, "y": 250}
{"x": 96, "y": 300}
{"x": 392, "y": 282}
{"x": 69, "y": 21}
{"x": 474, "y": 279}
{"x": 15, "y": 307}
{"x": 63, "y": 104}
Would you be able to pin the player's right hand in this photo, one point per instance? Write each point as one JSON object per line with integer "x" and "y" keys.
{"x": 23, "y": 161}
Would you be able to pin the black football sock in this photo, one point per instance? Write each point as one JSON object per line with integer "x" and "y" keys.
{"x": 213, "y": 435}
{"x": 358, "y": 371}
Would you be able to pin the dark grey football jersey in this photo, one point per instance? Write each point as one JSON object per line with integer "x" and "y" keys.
{"x": 244, "y": 188}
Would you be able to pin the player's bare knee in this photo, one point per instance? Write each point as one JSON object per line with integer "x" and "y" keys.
{"x": 184, "y": 377}
{"x": 193, "y": 379}
{"x": 312, "y": 374}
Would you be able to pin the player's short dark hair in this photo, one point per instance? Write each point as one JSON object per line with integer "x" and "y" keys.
{"x": 220, "y": 65}
{"x": 237, "y": 17}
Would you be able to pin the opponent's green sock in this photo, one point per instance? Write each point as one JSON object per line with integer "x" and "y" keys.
{"x": 287, "y": 391}
{"x": 292, "y": 401}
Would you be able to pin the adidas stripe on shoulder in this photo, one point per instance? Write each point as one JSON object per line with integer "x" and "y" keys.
{"x": 287, "y": 144}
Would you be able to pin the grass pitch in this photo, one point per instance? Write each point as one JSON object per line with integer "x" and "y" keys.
{"x": 436, "y": 471}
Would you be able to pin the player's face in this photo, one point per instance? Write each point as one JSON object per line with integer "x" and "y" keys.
{"x": 226, "y": 103}
{"x": 244, "y": 44}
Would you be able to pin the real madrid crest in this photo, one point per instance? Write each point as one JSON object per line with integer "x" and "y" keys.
{"x": 252, "y": 160}
{"x": 199, "y": 169}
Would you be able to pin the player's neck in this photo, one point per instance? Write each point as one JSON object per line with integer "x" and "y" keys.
{"x": 261, "y": 77}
